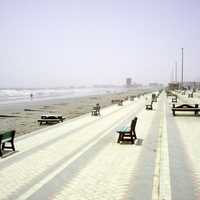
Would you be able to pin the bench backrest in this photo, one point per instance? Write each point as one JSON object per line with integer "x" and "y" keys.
{"x": 7, "y": 135}
{"x": 186, "y": 106}
{"x": 52, "y": 117}
{"x": 133, "y": 124}
{"x": 153, "y": 96}
{"x": 116, "y": 100}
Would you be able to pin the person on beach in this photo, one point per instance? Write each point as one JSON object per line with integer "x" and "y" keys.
{"x": 98, "y": 108}
{"x": 31, "y": 96}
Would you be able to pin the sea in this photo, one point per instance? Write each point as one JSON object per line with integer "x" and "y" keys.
{"x": 13, "y": 95}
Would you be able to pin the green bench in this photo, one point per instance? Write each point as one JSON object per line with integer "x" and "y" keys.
{"x": 132, "y": 98}
{"x": 154, "y": 97}
{"x": 128, "y": 133}
{"x": 7, "y": 137}
{"x": 149, "y": 106}
{"x": 117, "y": 101}
{"x": 50, "y": 119}
{"x": 190, "y": 95}
{"x": 174, "y": 99}
{"x": 96, "y": 110}
{"x": 113, "y": 101}
{"x": 186, "y": 107}
{"x": 169, "y": 93}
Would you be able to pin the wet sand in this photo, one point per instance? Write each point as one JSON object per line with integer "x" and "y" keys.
{"x": 23, "y": 116}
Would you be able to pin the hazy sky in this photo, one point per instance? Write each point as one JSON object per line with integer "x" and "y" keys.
{"x": 65, "y": 42}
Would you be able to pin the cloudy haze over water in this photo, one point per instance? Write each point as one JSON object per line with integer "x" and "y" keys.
{"x": 50, "y": 43}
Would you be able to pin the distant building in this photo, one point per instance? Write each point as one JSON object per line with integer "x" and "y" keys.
{"x": 128, "y": 82}
{"x": 173, "y": 86}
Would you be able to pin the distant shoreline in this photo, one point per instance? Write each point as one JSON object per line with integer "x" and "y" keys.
{"x": 24, "y": 95}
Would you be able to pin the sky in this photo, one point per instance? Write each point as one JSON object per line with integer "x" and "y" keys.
{"x": 54, "y": 43}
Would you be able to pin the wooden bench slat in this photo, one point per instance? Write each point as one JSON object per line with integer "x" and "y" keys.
{"x": 41, "y": 121}
{"x": 186, "y": 109}
{"x": 48, "y": 120}
{"x": 123, "y": 129}
{"x": 7, "y": 137}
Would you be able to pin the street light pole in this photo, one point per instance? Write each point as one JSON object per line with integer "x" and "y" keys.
{"x": 176, "y": 72}
{"x": 182, "y": 70}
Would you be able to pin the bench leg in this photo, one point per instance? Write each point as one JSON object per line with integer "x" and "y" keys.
{"x": 119, "y": 138}
{"x": 196, "y": 112}
{"x": 13, "y": 146}
{"x": 132, "y": 140}
{"x": 134, "y": 134}
{"x": 0, "y": 151}
{"x": 133, "y": 137}
{"x": 3, "y": 146}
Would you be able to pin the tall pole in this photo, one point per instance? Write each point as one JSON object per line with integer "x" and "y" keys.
{"x": 176, "y": 72}
{"x": 171, "y": 75}
{"x": 182, "y": 70}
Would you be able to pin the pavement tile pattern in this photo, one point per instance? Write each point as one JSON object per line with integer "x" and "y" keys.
{"x": 80, "y": 159}
{"x": 40, "y": 155}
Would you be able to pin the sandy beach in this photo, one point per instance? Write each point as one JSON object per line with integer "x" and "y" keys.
{"x": 23, "y": 116}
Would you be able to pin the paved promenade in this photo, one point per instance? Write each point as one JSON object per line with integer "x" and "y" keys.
{"x": 80, "y": 158}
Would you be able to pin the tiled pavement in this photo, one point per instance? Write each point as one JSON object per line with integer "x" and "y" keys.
{"x": 80, "y": 159}
{"x": 184, "y": 153}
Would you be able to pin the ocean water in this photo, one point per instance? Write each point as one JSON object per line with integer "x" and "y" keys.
{"x": 9, "y": 95}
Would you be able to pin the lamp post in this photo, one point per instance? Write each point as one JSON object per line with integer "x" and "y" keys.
{"x": 182, "y": 69}
{"x": 176, "y": 72}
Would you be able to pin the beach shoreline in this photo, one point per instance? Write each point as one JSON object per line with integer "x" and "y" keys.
{"x": 23, "y": 116}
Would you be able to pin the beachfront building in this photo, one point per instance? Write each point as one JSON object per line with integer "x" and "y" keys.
{"x": 173, "y": 86}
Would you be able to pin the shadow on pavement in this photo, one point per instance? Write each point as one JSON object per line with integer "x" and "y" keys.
{"x": 7, "y": 153}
